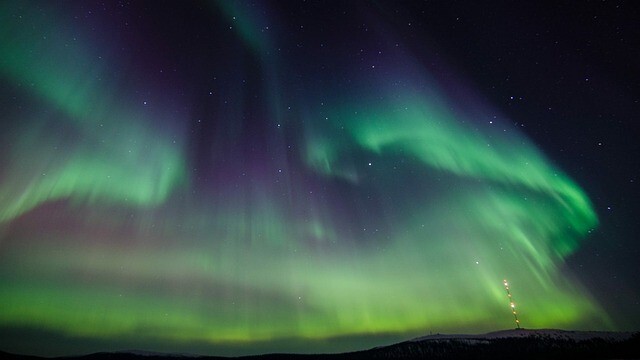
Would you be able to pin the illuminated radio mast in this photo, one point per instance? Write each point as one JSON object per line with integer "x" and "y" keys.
{"x": 513, "y": 306}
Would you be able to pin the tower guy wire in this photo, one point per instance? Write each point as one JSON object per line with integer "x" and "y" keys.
{"x": 511, "y": 303}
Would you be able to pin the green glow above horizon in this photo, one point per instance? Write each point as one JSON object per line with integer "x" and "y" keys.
{"x": 395, "y": 215}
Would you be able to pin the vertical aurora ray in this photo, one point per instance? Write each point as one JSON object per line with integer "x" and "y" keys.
{"x": 367, "y": 210}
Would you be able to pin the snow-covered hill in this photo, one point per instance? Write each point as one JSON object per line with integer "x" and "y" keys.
{"x": 515, "y": 344}
{"x": 536, "y": 333}
{"x": 521, "y": 344}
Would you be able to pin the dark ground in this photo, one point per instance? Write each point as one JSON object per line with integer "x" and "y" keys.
{"x": 533, "y": 347}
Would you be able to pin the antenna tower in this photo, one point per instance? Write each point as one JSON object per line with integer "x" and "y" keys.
{"x": 511, "y": 304}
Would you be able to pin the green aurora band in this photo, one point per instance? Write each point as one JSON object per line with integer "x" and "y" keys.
{"x": 109, "y": 150}
{"x": 412, "y": 219}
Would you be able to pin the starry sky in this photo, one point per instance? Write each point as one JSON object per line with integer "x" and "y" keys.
{"x": 242, "y": 177}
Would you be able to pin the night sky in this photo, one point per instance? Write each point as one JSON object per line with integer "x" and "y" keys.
{"x": 242, "y": 177}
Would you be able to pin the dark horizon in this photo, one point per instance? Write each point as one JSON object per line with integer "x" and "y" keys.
{"x": 527, "y": 343}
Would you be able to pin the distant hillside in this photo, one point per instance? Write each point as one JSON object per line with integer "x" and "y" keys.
{"x": 506, "y": 344}
{"x": 515, "y": 344}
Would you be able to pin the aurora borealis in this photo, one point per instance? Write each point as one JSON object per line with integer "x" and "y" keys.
{"x": 232, "y": 177}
